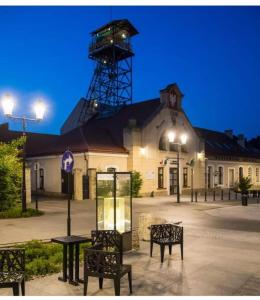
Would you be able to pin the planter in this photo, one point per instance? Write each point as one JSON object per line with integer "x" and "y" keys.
{"x": 244, "y": 200}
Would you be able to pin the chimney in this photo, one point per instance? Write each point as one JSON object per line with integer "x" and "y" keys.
{"x": 229, "y": 133}
{"x": 241, "y": 140}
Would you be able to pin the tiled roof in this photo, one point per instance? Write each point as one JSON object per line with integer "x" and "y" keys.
{"x": 35, "y": 141}
{"x": 97, "y": 135}
{"x": 220, "y": 144}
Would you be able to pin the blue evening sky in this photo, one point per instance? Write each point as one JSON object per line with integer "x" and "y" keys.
{"x": 213, "y": 53}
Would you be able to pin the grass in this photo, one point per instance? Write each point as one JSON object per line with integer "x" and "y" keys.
{"x": 17, "y": 212}
{"x": 44, "y": 258}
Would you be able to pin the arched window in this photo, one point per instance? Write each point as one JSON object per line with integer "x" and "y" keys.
{"x": 163, "y": 143}
{"x": 220, "y": 175}
{"x": 240, "y": 173}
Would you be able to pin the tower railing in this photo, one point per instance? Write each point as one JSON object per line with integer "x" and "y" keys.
{"x": 119, "y": 42}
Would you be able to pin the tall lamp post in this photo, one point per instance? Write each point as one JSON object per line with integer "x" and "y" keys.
{"x": 39, "y": 109}
{"x": 182, "y": 141}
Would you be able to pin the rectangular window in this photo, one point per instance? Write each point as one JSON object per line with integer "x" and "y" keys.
{"x": 185, "y": 177}
{"x": 160, "y": 177}
{"x": 257, "y": 175}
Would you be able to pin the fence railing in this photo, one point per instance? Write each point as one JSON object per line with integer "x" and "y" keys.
{"x": 222, "y": 195}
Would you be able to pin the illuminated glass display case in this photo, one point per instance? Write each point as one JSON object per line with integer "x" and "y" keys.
{"x": 114, "y": 204}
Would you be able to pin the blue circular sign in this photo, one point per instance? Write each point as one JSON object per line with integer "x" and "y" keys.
{"x": 67, "y": 161}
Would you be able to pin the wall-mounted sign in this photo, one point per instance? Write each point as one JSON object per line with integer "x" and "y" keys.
{"x": 150, "y": 175}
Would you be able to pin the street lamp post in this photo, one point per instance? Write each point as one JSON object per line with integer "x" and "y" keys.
{"x": 182, "y": 141}
{"x": 39, "y": 109}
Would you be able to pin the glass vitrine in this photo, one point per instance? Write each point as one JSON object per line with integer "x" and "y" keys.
{"x": 114, "y": 201}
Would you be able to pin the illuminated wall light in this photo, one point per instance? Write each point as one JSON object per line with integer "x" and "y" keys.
{"x": 200, "y": 155}
{"x": 142, "y": 151}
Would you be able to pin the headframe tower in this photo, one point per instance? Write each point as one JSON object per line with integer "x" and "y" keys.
{"x": 111, "y": 84}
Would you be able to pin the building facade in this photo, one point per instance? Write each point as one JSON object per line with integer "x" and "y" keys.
{"x": 136, "y": 139}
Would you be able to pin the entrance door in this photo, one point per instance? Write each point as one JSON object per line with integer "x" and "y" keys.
{"x": 41, "y": 179}
{"x": 67, "y": 182}
{"x": 173, "y": 181}
{"x": 231, "y": 177}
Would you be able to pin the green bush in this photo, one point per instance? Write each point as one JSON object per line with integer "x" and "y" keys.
{"x": 10, "y": 173}
{"x": 44, "y": 258}
{"x": 17, "y": 212}
{"x": 243, "y": 186}
{"x": 137, "y": 182}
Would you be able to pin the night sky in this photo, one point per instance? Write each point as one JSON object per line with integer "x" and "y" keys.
{"x": 212, "y": 53}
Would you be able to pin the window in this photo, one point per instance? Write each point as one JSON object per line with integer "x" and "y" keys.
{"x": 210, "y": 169}
{"x": 163, "y": 143}
{"x": 185, "y": 177}
{"x": 257, "y": 174}
{"x": 220, "y": 175}
{"x": 111, "y": 169}
{"x": 250, "y": 173}
{"x": 173, "y": 147}
{"x": 240, "y": 173}
{"x": 160, "y": 177}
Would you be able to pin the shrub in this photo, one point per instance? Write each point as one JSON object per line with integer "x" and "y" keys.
{"x": 17, "y": 212}
{"x": 10, "y": 173}
{"x": 137, "y": 182}
{"x": 244, "y": 185}
{"x": 44, "y": 258}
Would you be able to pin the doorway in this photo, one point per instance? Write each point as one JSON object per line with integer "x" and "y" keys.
{"x": 41, "y": 177}
{"x": 173, "y": 172}
{"x": 67, "y": 182}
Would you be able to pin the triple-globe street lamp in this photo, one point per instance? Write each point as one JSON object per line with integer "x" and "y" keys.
{"x": 179, "y": 141}
{"x": 39, "y": 107}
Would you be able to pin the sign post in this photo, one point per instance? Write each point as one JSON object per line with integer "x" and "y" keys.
{"x": 67, "y": 164}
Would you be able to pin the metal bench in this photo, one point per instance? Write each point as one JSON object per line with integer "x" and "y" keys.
{"x": 12, "y": 269}
{"x": 166, "y": 235}
{"x": 105, "y": 264}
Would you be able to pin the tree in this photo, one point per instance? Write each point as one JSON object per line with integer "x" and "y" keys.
{"x": 137, "y": 182}
{"x": 244, "y": 185}
{"x": 10, "y": 173}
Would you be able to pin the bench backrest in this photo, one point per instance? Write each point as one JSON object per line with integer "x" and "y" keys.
{"x": 165, "y": 231}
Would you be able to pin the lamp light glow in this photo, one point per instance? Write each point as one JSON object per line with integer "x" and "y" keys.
{"x": 171, "y": 136}
{"x": 39, "y": 109}
{"x": 142, "y": 151}
{"x": 184, "y": 138}
{"x": 8, "y": 104}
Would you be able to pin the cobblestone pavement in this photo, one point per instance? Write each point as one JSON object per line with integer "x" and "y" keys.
{"x": 221, "y": 248}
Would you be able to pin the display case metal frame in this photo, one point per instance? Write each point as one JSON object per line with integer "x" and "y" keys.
{"x": 127, "y": 235}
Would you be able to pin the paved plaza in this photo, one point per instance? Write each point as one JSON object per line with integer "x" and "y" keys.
{"x": 221, "y": 248}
